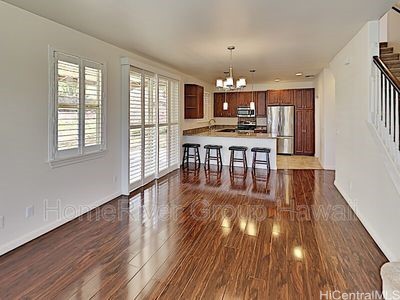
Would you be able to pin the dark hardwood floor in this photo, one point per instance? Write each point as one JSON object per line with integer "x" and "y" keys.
{"x": 192, "y": 236}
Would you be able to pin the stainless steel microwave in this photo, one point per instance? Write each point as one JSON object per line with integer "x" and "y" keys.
{"x": 245, "y": 111}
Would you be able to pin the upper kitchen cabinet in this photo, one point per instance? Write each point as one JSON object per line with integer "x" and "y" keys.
{"x": 219, "y": 99}
{"x": 243, "y": 98}
{"x": 261, "y": 103}
{"x": 280, "y": 97}
{"x": 273, "y": 97}
{"x": 304, "y": 98}
{"x": 194, "y": 101}
{"x": 231, "y": 98}
{"x": 287, "y": 97}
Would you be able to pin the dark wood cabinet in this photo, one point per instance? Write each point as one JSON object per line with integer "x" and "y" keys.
{"x": 280, "y": 97}
{"x": 304, "y": 98}
{"x": 287, "y": 97}
{"x": 194, "y": 101}
{"x": 218, "y": 104}
{"x": 231, "y": 98}
{"x": 219, "y": 99}
{"x": 243, "y": 98}
{"x": 305, "y": 122}
{"x": 273, "y": 97}
{"x": 261, "y": 103}
{"x": 304, "y": 132}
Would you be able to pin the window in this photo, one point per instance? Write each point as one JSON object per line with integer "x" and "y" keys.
{"x": 77, "y": 107}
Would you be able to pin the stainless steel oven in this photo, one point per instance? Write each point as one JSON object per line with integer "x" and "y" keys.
{"x": 246, "y": 112}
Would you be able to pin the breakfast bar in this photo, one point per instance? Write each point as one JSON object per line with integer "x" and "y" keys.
{"x": 227, "y": 139}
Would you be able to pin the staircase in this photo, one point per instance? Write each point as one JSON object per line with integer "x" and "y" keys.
{"x": 391, "y": 59}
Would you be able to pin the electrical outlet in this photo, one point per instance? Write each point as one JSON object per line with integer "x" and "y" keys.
{"x": 29, "y": 211}
{"x": 2, "y": 222}
{"x": 115, "y": 179}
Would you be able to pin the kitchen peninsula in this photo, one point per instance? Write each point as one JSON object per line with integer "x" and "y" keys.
{"x": 229, "y": 137}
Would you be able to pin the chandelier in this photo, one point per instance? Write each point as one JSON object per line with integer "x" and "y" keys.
{"x": 229, "y": 82}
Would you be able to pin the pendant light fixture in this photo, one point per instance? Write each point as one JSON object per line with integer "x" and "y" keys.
{"x": 225, "y": 105}
{"x": 229, "y": 82}
{"x": 252, "y": 103}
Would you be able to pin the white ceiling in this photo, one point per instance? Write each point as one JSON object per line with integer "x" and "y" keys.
{"x": 276, "y": 37}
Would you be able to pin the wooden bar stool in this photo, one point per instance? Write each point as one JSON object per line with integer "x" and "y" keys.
{"x": 234, "y": 159}
{"x": 187, "y": 155}
{"x": 256, "y": 161}
{"x": 208, "y": 157}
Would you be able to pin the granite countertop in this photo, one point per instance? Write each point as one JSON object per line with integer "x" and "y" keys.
{"x": 235, "y": 135}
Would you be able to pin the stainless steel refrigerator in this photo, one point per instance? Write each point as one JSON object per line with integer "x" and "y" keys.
{"x": 280, "y": 121}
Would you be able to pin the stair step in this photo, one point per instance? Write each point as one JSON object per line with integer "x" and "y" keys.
{"x": 390, "y": 57}
{"x": 391, "y": 64}
{"x": 389, "y": 50}
{"x": 383, "y": 45}
{"x": 393, "y": 56}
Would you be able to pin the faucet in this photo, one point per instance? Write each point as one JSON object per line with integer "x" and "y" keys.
{"x": 211, "y": 124}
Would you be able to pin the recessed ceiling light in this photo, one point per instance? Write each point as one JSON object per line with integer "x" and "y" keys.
{"x": 277, "y": 80}
{"x": 310, "y": 76}
{"x": 299, "y": 74}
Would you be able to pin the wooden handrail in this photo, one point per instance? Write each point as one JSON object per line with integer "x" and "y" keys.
{"x": 387, "y": 73}
{"x": 396, "y": 9}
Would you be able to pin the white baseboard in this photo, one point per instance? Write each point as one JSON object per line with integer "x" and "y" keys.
{"x": 389, "y": 254}
{"x": 49, "y": 227}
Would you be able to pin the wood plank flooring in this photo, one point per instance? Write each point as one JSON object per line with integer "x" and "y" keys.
{"x": 197, "y": 235}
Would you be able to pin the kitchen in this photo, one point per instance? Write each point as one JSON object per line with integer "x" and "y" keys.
{"x": 279, "y": 119}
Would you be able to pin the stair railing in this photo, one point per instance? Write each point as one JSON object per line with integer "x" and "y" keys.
{"x": 396, "y": 9}
{"x": 385, "y": 108}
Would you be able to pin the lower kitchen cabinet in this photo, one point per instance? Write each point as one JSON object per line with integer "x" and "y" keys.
{"x": 304, "y": 132}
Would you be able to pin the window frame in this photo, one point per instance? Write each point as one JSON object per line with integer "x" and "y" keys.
{"x": 57, "y": 157}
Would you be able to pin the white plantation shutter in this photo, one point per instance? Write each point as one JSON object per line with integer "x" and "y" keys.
{"x": 150, "y": 137}
{"x": 162, "y": 148}
{"x": 153, "y": 126}
{"x": 93, "y": 105}
{"x": 135, "y": 127}
{"x": 68, "y": 103}
{"x": 135, "y": 155}
{"x": 206, "y": 106}
{"x": 163, "y": 99}
{"x": 174, "y": 124}
{"x": 174, "y": 145}
{"x": 77, "y": 114}
{"x": 143, "y": 125}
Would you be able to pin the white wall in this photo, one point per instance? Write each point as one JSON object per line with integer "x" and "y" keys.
{"x": 383, "y": 28}
{"x": 325, "y": 96}
{"x": 393, "y": 29}
{"x": 26, "y": 177}
{"x": 361, "y": 175}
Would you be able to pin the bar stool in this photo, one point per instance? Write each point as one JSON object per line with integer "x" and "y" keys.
{"x": 256, "y": 161}
{"x": 233, "y": 159}
{"x": 208, "y": 157}
{"x": 187, "y": 155}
